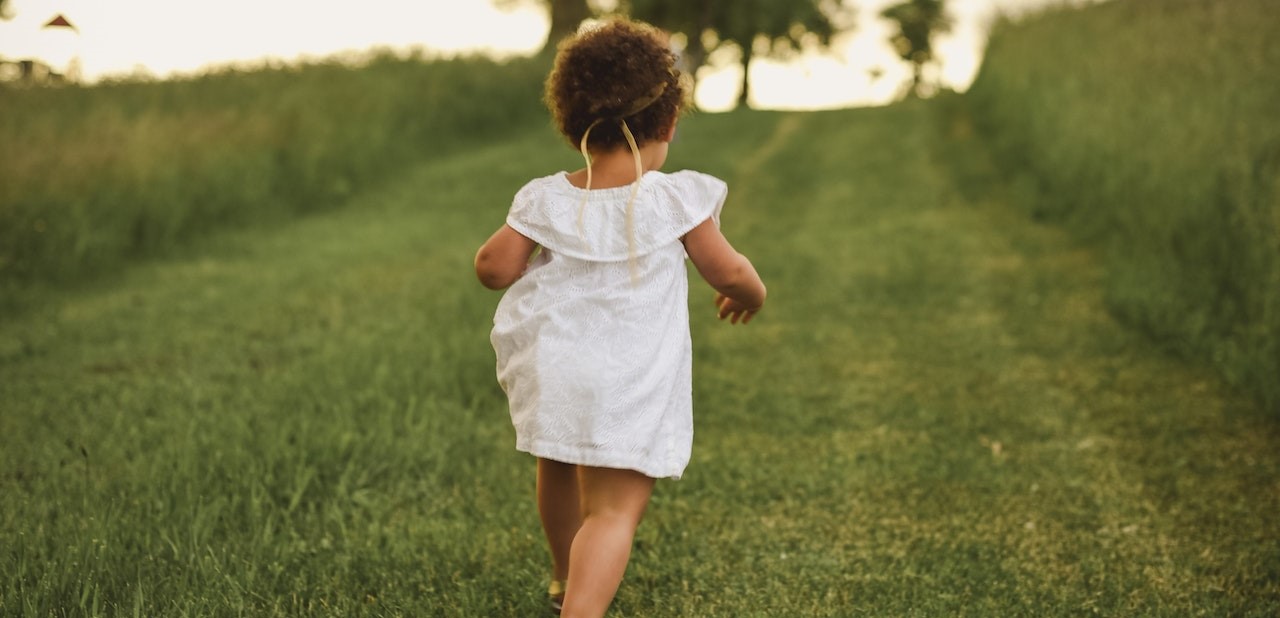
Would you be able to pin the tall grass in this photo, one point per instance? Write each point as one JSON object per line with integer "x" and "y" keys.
{"x": 1153, "y": 130}
{"x": 933, "y": 417}
{"x": 94, "y": 175}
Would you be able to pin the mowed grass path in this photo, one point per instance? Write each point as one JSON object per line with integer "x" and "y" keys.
{"x": 934, "y": 416}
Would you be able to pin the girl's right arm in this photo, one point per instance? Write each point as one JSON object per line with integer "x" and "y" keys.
{"x": 503, "y": 258}
{"x": 740, "y": 292}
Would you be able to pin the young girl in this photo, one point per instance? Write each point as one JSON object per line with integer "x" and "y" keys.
{"x": 592, "y": 336}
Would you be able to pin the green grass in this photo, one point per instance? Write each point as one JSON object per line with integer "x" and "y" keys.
{"x": 1151, "y": 129}
{"x": 95, "y": 177}
{"x": 936, "y": 415}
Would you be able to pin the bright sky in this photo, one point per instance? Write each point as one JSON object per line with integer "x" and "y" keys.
{"x": 175, "y": 37}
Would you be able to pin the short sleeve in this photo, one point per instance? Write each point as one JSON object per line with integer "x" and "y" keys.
{"x": 693, "y": 198}
{"x": 597, "y": 226}
{"x": 534, "y": 213}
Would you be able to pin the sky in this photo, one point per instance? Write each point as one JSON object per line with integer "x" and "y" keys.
{"x": 167, "y": 38}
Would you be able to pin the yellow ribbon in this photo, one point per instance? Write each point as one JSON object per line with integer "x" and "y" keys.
{"x": 631, "y": 200}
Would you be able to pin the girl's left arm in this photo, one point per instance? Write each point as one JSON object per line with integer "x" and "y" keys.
{"x": 503, "y": 258}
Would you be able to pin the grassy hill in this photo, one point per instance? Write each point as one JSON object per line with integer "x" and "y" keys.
{"x": 1152, "y": 131}
{"x": 97, "y": 177}
{"x": 938, "y": 414}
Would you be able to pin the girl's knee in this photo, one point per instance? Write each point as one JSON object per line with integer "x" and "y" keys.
{"x": 619, "y": 496}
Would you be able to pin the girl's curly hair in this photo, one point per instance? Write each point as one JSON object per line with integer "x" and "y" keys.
{"x": 603, "y": 73}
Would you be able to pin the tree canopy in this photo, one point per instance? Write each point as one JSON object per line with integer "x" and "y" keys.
{"x": 566, "y": 16}
{"x": 769, "y": 28}
{"x": 918, "y": 21}
{"x": 758, "y": 28}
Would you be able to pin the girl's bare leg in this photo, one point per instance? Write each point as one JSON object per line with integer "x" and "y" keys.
{"x": 613, "y": 501}
{"x": 559, "y": 506}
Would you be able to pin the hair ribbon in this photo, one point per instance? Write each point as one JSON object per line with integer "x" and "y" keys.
{"x": 638, "y": 106}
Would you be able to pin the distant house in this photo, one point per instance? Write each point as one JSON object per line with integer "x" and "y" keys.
{"x": 29, "y": 71}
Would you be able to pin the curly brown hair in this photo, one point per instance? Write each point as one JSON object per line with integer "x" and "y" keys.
{"x": 603, "y": 73}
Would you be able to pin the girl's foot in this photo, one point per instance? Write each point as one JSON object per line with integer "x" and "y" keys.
{"x": 555, "y": 592}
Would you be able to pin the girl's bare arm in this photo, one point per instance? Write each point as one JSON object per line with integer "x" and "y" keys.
{"x": 731, "y": 274}
{"x": 503, "y": 258}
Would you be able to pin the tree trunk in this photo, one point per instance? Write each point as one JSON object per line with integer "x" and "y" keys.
{"x": 693, "y": 57}
{"x": 743, "y": 96}
{"x": 566, "y": 16}
{"x": 696, "y": 51}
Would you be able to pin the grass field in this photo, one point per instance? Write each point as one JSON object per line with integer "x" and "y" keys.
{"x": 935, "y": 416}
{"x": 1152, "y": 131}
{"x": 95, "y": 177}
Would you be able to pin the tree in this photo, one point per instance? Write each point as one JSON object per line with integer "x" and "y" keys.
{"x": 566, "y": 16}
{"x": 771, "y": 28}
{"x": 691, "y": 18}
{"x": 4, "y": 9}
{"x": 918, "y": 21}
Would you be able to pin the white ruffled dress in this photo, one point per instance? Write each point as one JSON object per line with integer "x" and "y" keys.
{"x": 597, "y": 364}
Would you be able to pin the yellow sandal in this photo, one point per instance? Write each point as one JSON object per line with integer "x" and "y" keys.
{"x": 555, "y": 592}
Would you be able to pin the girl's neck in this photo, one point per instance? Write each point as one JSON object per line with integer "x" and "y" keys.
{"x": 614, "y": 168}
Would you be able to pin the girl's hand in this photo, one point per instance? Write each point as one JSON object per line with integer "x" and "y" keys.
{"x": 734, "y": 310}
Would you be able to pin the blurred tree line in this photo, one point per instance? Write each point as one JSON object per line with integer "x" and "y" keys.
{"x": 756, "y": 28}
{"x": 917, "y": 21}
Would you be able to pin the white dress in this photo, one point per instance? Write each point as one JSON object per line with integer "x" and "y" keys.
{"x": 597, "y": 363}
